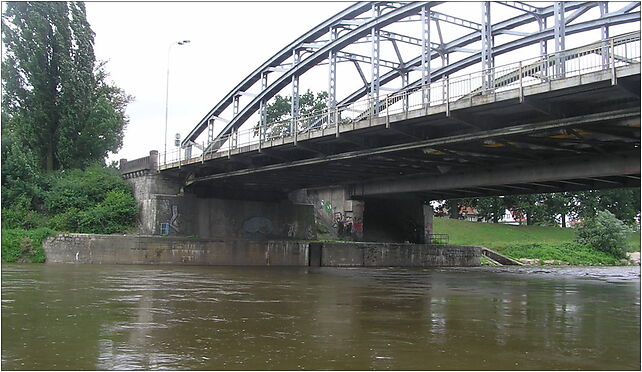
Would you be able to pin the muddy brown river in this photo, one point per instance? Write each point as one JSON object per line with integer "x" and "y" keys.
{"x": 87, "y": 317}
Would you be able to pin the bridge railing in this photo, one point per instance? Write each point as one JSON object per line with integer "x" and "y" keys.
{"x": 603, "y": 55}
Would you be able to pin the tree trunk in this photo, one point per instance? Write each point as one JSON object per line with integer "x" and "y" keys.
{"x": 49, "y": 158}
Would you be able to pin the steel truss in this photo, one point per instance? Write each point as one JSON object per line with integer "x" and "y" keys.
{"x": 365, "y": 22}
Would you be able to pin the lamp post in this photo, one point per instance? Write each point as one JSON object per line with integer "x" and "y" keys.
{"x": 169, "y": 49}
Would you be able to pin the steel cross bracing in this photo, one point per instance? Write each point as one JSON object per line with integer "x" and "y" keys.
{"x": 330, "y": 43}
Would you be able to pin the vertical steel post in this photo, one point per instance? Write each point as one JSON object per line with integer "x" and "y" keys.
{"x": 604, "y": 35}
{"x": 543, "y": 47}
{"x": 263, "y": 110}
{"x": 388, "y": 111}
{"x": 487, "y": 48}
{"x": 425, "y": 56}
{"x": 521, "y": 83}
{"x": 446, "y": 80}
{"x": 560, "y": 35}
{"x": 374, "y": 63}
{"x": 332, "y": 79}
{"x": 613, "y": 77}
{"x": 444, "y": 62}
{"x": 404, "y": 84}
{"x": 210, "y": 130}
{"x": 295, "y": 108}
{"x": 235, "y": 105}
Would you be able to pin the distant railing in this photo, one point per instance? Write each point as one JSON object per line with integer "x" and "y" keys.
{"x": 603, "y": 55}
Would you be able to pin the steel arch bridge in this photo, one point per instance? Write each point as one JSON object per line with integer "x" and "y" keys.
{"x": 409, "y": 48}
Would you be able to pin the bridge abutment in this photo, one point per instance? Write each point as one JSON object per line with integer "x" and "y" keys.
{"x": 165, "y": 208}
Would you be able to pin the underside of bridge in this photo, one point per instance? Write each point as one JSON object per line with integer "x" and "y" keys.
{"x": 577, "y": 138}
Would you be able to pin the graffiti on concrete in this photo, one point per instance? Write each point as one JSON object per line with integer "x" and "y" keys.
{"x": 292, "y": 229}
{"x": 168, "y": 214}
{"x": 257, "y": 227}
{"x": 173, "y": 222}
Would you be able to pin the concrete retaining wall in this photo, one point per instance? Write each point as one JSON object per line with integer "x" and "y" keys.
{"x": 141, "y": 249}
{"x": 398, "y": 254}
{"x": 145, "y": 249}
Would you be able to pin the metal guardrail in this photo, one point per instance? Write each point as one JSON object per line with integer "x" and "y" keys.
{"x": 603, "y": 55}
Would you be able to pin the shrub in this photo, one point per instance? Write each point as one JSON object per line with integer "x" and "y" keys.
{"x": 573, "y": 253}
{"x": 116, "y": 214}
{"x": 21, "y": 218}
{"x": 20, "y": 245}
{"x": 82, "y": 189}
{"x": 67, "y": 221}
{"x": 605, "y": 233}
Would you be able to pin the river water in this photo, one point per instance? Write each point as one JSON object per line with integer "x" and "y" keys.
{"x": 83, "y": 317}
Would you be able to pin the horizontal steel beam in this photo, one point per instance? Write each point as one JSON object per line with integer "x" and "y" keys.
{"x": 580, "y": 168}
{"x": 464, "y": 138}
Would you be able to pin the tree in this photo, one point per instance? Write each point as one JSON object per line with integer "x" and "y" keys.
{"x": 280, "y": 109}
{"x": 56, "y": 99}
{"x": 623, "y": 203}
{"x": 604, "y": 232}
{"x": 490, "y": 208}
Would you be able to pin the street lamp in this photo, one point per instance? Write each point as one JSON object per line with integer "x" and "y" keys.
{"x": 169, "y": 49}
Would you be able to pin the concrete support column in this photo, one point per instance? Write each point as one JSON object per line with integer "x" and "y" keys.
{"x": 428, "y": 215}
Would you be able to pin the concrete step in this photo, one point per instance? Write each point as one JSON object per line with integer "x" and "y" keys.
{"x": 499, "y": 258}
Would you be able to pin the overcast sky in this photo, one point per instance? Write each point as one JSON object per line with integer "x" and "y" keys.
{"x": 228, "y": 41}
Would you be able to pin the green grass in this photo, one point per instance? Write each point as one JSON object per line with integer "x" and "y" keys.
{"x": 534, "y": 242}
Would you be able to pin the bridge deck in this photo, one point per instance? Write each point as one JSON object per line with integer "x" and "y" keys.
{"x": 575, "y": 119}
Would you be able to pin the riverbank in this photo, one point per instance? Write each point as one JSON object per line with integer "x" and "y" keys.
{"x": 532, "y": 245}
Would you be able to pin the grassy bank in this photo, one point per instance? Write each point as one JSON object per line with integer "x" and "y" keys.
{"x": 533, "y": 242}
{"x": 20, "y": 245}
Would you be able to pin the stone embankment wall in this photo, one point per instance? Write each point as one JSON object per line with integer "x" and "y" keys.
{"x": 142, "y": 249}
{"x": 399, "y": 254}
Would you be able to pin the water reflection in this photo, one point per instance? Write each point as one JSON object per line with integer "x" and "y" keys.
{"x": 148, "y": 317}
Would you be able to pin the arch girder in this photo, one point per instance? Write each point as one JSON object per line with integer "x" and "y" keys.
{"x": 318, "y": 56}
{"x": 546, "y": 34}
{"x": 358, "y": 29}
{"x": 311, "y": 36}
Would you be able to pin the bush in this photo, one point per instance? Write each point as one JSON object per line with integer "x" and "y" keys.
{"x": 116, "y": 214}
{"x": 20, "y": 245}
{"x": 605, "y": 233}
{"x": 67, "y": 221}
{"x": 20, "y": 218}
{"x": 82, "y": 189}
{"x": 572, "y": 253}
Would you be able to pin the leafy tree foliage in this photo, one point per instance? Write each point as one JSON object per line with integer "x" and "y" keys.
{"x": 491, "y": 209}
{"x": 605, "y": 233}
{"x": 546, "y": 209}
{"x": 56, "y": 100}
{"x": 280, "y": 109}
{"x": 623, "y": 203}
